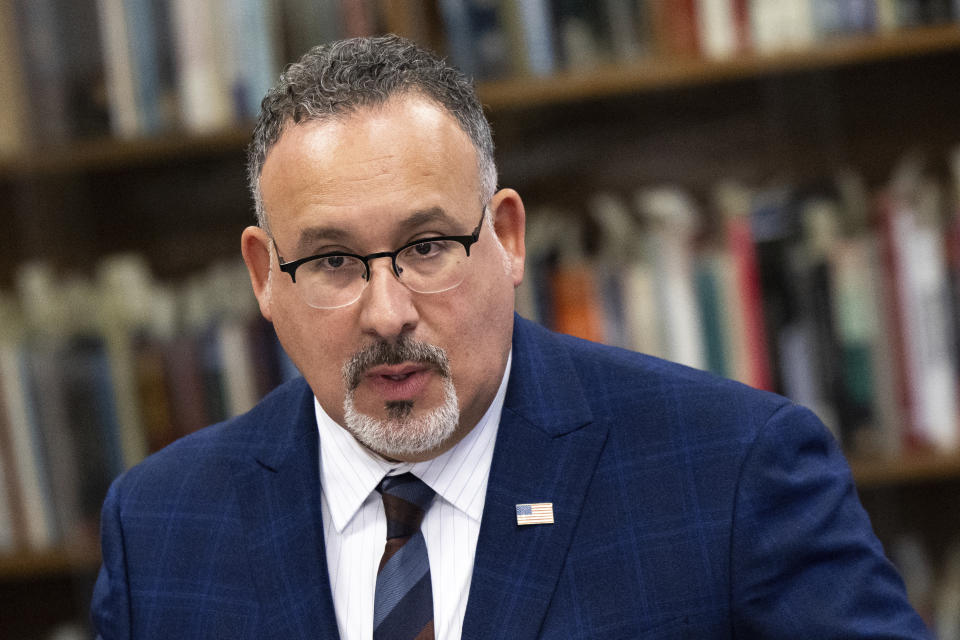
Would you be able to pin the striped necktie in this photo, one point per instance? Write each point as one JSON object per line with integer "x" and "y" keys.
{"x": 403, "y": 601}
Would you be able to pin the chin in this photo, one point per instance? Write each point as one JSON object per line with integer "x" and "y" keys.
{"x": 404, "y": 431}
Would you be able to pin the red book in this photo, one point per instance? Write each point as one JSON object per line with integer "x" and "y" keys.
{"x": 576, "y": 305}
{"x": 675, "y": 27}
{"x": 750, "y": 296}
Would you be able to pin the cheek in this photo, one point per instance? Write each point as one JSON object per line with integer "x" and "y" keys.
{"x": 313, "y": 344}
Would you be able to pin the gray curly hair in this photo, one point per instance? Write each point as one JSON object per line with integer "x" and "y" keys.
{"x": 340, "y": 77}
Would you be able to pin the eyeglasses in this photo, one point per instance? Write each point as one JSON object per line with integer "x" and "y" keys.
{"x": 425, "y": 265}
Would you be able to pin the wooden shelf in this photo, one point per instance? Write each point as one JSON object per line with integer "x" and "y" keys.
{"x": 656, "y": 74}
{"x": 106, "y": 153}
{"x": 645, "y": 75}
{"x": 47, "y": 563}
{"x": 908, "y": 469}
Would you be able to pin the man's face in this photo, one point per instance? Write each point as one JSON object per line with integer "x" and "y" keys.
{"x": 373, "y": 181}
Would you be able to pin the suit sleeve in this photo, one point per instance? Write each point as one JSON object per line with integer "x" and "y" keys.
{"x": 805, "y": 562}
{"x": 110, "y": 608}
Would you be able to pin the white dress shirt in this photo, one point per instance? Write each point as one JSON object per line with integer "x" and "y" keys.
{"x": 355, "y": 527}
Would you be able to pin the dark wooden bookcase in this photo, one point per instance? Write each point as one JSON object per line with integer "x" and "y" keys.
{"x": 181, "y": 201}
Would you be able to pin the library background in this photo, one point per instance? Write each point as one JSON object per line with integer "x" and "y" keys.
{"x": 769, "y": 189}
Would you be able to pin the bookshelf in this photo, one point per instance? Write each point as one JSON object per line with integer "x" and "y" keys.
{"x": 679, "y": 119}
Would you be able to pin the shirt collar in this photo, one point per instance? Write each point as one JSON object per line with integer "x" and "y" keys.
{"x": 349, "y": 472}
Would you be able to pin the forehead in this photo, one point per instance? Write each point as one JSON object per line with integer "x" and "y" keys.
{"x": 407, "y": 153}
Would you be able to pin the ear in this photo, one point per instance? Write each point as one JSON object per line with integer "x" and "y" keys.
{"x": 509, "y": 222}
{"x": 255, "y": 246}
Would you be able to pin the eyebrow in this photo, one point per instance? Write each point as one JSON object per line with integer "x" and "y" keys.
{"x": 311, "y": 236}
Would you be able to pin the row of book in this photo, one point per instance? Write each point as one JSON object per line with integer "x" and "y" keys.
{"x": 845, "y": 300}
{"x": 95, "y": 373}
{"x": 491, "y": 39}
{"x": 79, "y": 68}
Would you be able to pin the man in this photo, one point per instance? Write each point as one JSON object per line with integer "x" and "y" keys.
{"x": 570, "y": 490}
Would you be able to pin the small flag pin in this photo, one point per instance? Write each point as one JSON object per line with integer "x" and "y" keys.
{"x": 536, "y": 513}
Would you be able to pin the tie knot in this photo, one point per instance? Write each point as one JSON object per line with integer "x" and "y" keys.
{"x": 405, "y": 500}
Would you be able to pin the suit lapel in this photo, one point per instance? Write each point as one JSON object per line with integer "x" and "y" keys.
{"x": 546, "y": 451}
{"x": 279, "y": 487}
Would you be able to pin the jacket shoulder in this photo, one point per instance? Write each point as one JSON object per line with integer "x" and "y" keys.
{"x": 204, "y": 458}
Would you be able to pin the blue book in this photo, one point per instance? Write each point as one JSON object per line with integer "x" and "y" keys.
{"x": 254, "y": 50}
{"x": 476, "y": 39}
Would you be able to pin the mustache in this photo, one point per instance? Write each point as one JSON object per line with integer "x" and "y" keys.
{"x": 393, "y": 353}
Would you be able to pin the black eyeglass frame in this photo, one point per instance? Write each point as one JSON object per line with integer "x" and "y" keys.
{"x": 466, "y": 241}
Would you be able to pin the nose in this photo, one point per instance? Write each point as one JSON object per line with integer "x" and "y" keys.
{"x": 387, "y": 310}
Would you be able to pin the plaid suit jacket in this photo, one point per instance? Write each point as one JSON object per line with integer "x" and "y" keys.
{"x": 685, "y": 506}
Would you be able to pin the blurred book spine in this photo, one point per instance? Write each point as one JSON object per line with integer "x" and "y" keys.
{"x": 850, "y": 309}
{"x": 95, "y": 373}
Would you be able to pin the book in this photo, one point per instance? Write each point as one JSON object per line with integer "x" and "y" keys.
{"x": 119, "y": 66}
{"x": 13, "y": 92}
{"x": 751, "y": 359}
{"x": 718, "y": 28}
{"x": 39, "y": 528}
{"x": 916, "y": 269}
{"x": 574, "y": 294}
{"x": 709, "y": 267}
{"x": 676, "y": 32}
{"x": 582, "y": 33}
{"x": 624, "y": 24}
{"x": 528, "y": 25}
{"x": 307, "y": 23}
{"x": 887, "y": 18}
{"x": 198, "y": 39}
{"x": 871, "y": 416}
{"x": 671, "y": 222}
{"x": 475, "y": 37}
{"x": 577, "y": 309}
{"x": 252, "y": 54}
{"x": 88, "y": 396}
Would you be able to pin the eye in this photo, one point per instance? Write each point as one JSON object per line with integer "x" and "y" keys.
{"x": 328, "y": 265}
{"x": 331, "y": 263}
{"x": 426, "y": 249}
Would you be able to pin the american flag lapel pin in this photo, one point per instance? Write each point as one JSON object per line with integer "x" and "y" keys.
{"x": 535, "y": 513}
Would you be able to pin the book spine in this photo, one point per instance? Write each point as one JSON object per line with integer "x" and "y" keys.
{"x": 205, "y": 101}
{"x": 13, "y": 92}
{"x": 118, "y": 65}
{"x": 718, "y": 28}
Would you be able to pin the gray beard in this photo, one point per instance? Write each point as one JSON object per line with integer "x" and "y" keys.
{"x": 401, "y": 434}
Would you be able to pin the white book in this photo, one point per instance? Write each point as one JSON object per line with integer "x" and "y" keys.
{"x": 238, "y": 368}
{"x": 27, "y": 449}
{"x": 640, "y": 302}
{"x": 673, "y": 220}
{"x": 118, "y": 68}
{"x": 765, "y": 26}
{"x": 125, "y": 289}
{"x": 797, "y": 24}
{"x": 922, "y": 287}
{"x": 205, "y": 101}
{"x": 887, "y": 18}
{"x": 718, "y": 28}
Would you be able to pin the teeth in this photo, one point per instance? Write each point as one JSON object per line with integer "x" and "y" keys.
{"x": 398, "y": 378}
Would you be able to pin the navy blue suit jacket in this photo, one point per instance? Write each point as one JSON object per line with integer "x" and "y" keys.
{"x": 685, "y": 507}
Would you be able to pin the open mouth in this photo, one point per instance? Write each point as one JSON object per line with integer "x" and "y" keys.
{"x": 398, "y": 383}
